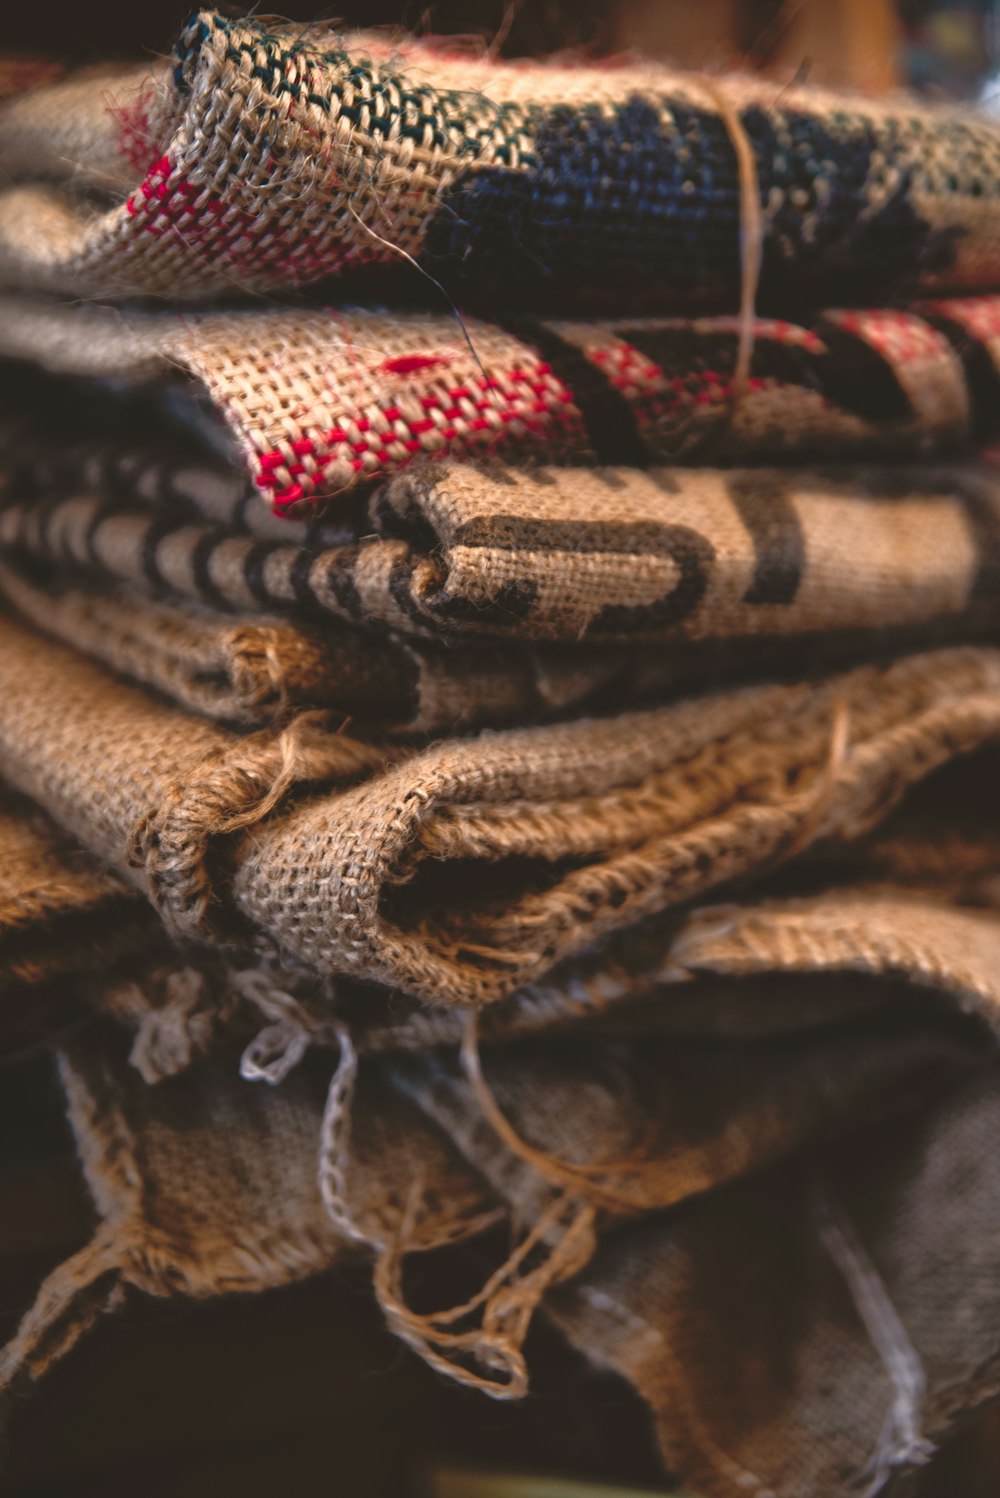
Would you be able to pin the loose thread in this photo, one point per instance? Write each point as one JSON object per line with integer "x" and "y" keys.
{"x": 900, "y": 1440}
{"x": 508, "y": 1298}
{"x": 506, "y": 1301}
{"x": 333, "y": 1139}
{"x": 819, "y": 803}
{"x": 456, "y": 313}
{"x": 575, "y": 1178}
{"x": 751, "y": 238}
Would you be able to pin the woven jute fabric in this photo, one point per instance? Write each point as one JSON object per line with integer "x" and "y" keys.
{"x": 199, "y": 1190}
{"x": 205, "y": 1185}
{"x": 640, "y": 1122}
{"x": 61, "y": 917}
{"x": 471, "y": 867}
{"x": 255, "y": 669}
{"x": 272, "y": 155}
{"x": 143, "y": 784}
{"x": 627, "y": 1118}
{"x": 613, "y": 1109}
{"x": 319, "y": 400}
{"x": 570, "y": 555}
{"x": 874, "y": 930}
{"x": 913, "y": 903}
{"x": 816, "y": 1330}
{"x": 47, "y": 884}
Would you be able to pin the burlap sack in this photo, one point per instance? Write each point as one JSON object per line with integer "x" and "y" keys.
{"x": 317, "y": 401}
{"x": 580, "y": 555}
{"x": 628, "y": 1121}
{"x": 272, "y": 155}
{"x": 61, "y": 917}
{"x": 472, "y": 867}
{"x": 622, "y": 1115}
{"x": 142, "y": 783}
{"x": 638, "y": 1121}
{"x": 205, "y": 1185}
{"x": 914, "y": 903}
{"x": 571, "y": 1132}
{"x": 578, "y": 1129}
{"x": 255, "y": 669}
{"x": 815, "y": 1331}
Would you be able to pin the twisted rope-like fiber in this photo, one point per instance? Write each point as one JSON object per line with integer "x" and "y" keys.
{"x": 751, "y": 237}
{"x": 335, "y": 1136}
{"x": 900, "y": 1442}
{"x": 583, "y": 1180}
{"x": 507, "y": 1300}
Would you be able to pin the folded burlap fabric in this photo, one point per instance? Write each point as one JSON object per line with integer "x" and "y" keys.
{"x": 205, "y": 1186}
{"x": 122, "y": 770}
{"x": 816, "y": 1330}
{"x": 655, "y": 1304}
{"x": 63, "y": 918}
{"x": 573, "y": 555}
{"x": 473, "y": 867}
{"x": 272, "y": 155}
{"x": 637, "y": 1077}
{"x": 912, "y": 903}
{"x": 256, "y": 669}
{"x": 320, "y": 400}
{"x": 470, "y": 868}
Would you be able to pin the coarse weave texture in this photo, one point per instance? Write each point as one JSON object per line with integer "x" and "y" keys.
{"x": 576, "y": 1132}
{"x": 141, "y": 783}
{"x": 272, "y": 155}
{"x": 61, "y": 915}
{"x": 635, "y": 1114}
{"x": 814, "y": 1331}
{"x": 575, "y": 555}
{"x": 641, "y": 1121}
{"x": 473, "y": 867}
{"x": 47, "y": 885}
{"x": 202, "y": 1186}
{"x": 914, "y": 902}
{"x": 254, "y": 670}
{"x": 470, "y": 868}
{"x": 320, "y": 400}
{"x": 205, "y": 1186}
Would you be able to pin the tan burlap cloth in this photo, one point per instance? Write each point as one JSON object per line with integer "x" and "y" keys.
{"x": 469, "y": 868}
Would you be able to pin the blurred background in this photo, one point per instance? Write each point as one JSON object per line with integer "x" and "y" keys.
{"x": 947, "y": 47}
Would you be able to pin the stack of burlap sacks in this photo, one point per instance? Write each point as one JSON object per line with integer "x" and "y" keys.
{"x": 476, "y": 772}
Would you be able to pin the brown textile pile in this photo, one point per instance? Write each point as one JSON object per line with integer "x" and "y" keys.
{"x": 318, "y": 402}
{"x": 510, "y": 791}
